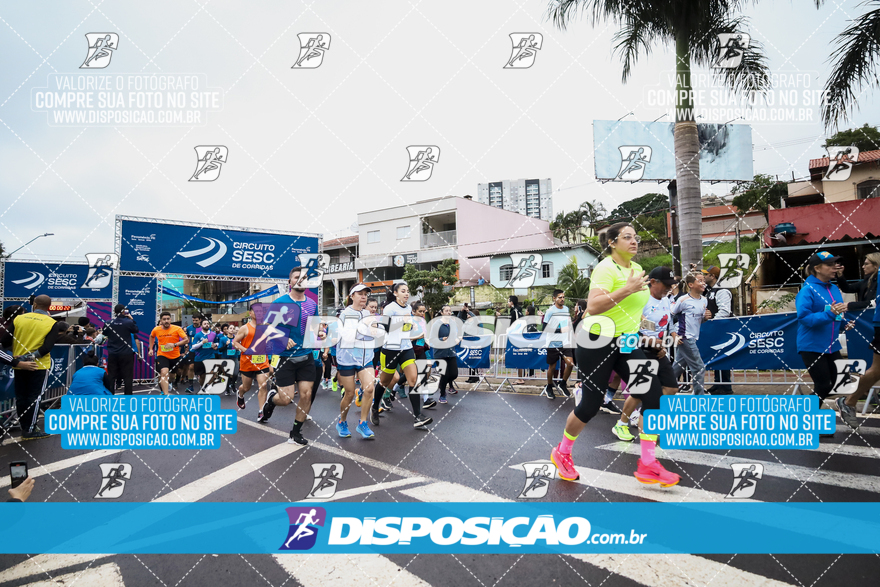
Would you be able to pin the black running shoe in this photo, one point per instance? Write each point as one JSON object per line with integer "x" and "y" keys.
{"x": 549, "y": 390}
{"x": 239, "y": 401}
{"x": 35, "y": 435}
{"x": 610, "y": 408}
{"x": 429, "y": 404}
{"x": 374, "y": 416}
{"x": 563, "y": 389}
{"x": 421, "y": 422}
{"x": 269, "y": 407}
{"x": 297, "y": 438}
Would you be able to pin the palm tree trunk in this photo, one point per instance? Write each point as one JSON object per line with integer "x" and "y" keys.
{"x": 687, "y": 161}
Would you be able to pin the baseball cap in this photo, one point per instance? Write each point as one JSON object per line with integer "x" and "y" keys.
{"x": 714, "y": 270}
{"x": 663, "y": 275}
{"x": 359, "y": 287}
{"x": 823, "y": 257}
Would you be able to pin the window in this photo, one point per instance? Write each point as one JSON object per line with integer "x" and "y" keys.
{"x": 403, "y": 232}
{"x": 506, "y": 272}
{"x": 869, "y": 189}
{"x": 373, "y": 236}
{"x": 547, "y": 270}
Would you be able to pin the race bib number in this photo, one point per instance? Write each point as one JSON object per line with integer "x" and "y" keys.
{"x": 647, "y": 325}
{"x": 258, "y": 359}
{"x": 167, "y": 348}
{"x": 627, "y": 342}
{"x": 230, "y": 353}
{"x": 275, "y": 359}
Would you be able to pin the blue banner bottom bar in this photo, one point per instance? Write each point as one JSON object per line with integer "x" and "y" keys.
{"x": 392, "y": 528}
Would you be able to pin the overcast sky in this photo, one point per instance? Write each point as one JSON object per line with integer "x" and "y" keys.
{"x": 309, "y": 149}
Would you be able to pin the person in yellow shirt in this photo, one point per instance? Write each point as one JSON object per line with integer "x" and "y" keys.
{"x": 32, "y": 337}
{"x": 169, "y": 338}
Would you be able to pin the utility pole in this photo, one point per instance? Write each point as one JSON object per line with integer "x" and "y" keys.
{"x": 742, "y": 284}
{"x": 673, "y": 234}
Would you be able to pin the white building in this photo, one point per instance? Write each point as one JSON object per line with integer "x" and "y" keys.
{"x": 530, "y": 197}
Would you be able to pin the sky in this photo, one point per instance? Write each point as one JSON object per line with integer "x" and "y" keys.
{"x": 310, "y": 148}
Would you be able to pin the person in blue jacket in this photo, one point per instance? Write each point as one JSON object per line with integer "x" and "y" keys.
{"x": 820, "y": 309}
{"x": 91, "y": 379}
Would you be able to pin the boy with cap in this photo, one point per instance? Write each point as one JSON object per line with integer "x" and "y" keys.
{"x": 692, "y": 311}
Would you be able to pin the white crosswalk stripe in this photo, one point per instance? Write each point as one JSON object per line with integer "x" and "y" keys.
{"x": 343, "y": 570}
{"x": 47, "y": 468}
{"x": 772, "y": 467}
{"x": 45, "y": 565}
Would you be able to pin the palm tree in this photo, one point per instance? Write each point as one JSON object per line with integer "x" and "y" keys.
{"x": 855, "y": 64}
{"x": 693, "y": 27}
{"x": 559, "y": 227}
{"x": 570, "y": 280}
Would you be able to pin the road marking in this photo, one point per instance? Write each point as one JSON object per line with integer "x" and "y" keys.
{"x": 45, "y": 563}
{"x": 771, "y": 468}
{"x": 340, "y": 570}
{"x": 441, "y": 490}
{"x": 863, "y": 430}
{"x": 871, "y": 452}
{"x": 64, "y": 464}
{"x": 107, "y": 575}
{"x": 205, "y": 486}
{"x": 372, "y": 488}
{"x": 400, "y": 472}
{"x": 627, "y": 484}
{"x": 672, "y": 570}
{"x": 656, "y": 570}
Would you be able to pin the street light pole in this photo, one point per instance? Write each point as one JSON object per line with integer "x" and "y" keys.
{"x": 29, "y": 242}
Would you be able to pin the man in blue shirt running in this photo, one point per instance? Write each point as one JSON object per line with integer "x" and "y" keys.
{"x": 296, "y": 367}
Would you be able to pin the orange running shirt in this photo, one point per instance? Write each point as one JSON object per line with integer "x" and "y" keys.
{"x": 167, "y": 339}
{"x": 252, "y": 362}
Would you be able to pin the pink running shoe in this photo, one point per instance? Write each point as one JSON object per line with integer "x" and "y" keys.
{"x": 564, "y": 465}
{"x": 655, "y": 473}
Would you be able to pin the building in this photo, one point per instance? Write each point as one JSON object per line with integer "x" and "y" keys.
{"x": 720, "y": 221}
{"x": 862, "y": 184}
{"x": 842, "y": 217}
{"x": 341, "y": 273}
{"x": 553, "y": 259}
{"x": 529, "y": 197}
{"x": 426, "y": 233}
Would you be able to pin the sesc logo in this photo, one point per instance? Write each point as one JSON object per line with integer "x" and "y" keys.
{"x": 101, "y": 48}
{"x": 33, "y": 281}
{"x": 303, "y": 532}
{"x": 213, "y": 245}
{"x": 731, "y": 345}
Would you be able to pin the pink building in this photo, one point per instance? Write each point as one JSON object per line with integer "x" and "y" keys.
{"x": 450, "y": 227}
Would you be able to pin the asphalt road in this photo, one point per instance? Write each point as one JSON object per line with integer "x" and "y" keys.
{"x": 473, "y": 452}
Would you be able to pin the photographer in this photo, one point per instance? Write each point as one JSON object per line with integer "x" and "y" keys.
{"x": 120, "y": 333}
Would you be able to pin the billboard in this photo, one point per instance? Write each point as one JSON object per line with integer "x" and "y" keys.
{"x": 154, "y": 246}
{"x": 645, "y": 151}
{"x": 57, "y": 280}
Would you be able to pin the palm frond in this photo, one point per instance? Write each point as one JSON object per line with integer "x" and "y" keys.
{"x": 855, "y": 59}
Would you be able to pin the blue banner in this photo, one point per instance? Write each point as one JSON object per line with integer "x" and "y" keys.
{"x": 56, "y": 280}
{"x": 60, "y": 364}
{"x": 272, "y": 291}
{"x": 477, "y": 358}
{"x": 467, "y": 528}
{"x": 529, "y": 357}
{"x": 172, "y": 248}
{"x": 769, "y": 341}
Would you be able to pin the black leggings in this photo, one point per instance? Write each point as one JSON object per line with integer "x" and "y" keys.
{"x": 595, "y": 367}
{"x": 450, "y": 375}
{"x": 822, "y": 369}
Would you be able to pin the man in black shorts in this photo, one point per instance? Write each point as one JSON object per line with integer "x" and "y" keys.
{"x": 557, "y": 351}
{"x": 168, "y": 338}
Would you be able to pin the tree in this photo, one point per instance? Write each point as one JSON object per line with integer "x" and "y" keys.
{"x": 435, "y": 283}
{"x": 855, "y": 61}
{"x": 570, "y": 280}
{"x": 592, "y": 213}
{"x": 759, "y": 194}
{"x": 692, "y": 27}
{"x": 647, "y": 205}
{"x": 866, "y": 138}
